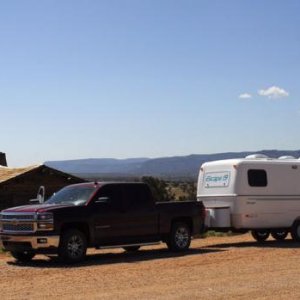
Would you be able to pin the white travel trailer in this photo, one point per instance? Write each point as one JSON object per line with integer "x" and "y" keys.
{"x": 255, "y": 193}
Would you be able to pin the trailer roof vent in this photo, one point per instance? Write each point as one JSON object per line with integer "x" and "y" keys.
{"x": 286, "y": 157}
{"x": 257, "y": 156}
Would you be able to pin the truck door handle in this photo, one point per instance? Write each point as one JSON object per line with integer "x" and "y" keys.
{"x": 103, "y": 226}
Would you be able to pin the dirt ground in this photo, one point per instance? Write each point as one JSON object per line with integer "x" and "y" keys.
{"x": 215, "y": 268}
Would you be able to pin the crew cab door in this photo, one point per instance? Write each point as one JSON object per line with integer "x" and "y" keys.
{"x": 106, "y": 214}
{"x": 124, "y": 213}
{"x": 140, "y": 214}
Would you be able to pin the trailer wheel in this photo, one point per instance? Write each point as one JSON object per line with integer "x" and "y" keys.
{"x": 73, "y": 245}
{"x": 295, "y": 232}
{"x": 179, "y": 238}
{"x": 260, "y": 235}
{"x": 23, "y": 256}
{"x": 279, "y": 235}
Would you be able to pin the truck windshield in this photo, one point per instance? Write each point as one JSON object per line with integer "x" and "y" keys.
{"x": 76, "y": 195}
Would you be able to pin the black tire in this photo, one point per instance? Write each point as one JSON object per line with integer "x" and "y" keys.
{"x": 23, "y": 256}
{"x": 279, "y": 235}
{"x": 295, "y": 232}
{"x": 260, "y": 235}
{"x": 179, "y": 238}
{"x": 131, "y": 248}
{"x": 73, "y": 245}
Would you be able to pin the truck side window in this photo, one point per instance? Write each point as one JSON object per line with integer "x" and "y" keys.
{"x": 257, "y": 178}
{"x": 136, "y": 197}
{"x": 113, "y": 193}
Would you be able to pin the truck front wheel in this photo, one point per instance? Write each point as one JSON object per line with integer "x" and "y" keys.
{"x": 179, "y": 238}
{"x": 73, "y": 245}
{"x": 23, "y": 256}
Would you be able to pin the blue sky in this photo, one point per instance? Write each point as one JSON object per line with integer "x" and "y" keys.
{"x": 147, "y": 78}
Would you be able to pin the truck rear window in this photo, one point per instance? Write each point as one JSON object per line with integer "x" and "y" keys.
{"x": 257, "y": 178}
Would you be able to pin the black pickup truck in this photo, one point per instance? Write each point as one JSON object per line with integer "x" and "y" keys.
{"x": 99, "y": 215}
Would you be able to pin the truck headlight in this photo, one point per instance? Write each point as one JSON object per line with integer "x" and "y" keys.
{"x": 45, "y": 216}
{"x": 45, "y": 221}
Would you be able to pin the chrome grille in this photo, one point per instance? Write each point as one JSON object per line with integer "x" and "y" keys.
{"x": 18, "y": 227}
{"x": 18, "y": 222}
{"x": 18, "y": 217}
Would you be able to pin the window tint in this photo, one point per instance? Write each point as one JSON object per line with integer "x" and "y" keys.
{"x": 113, "y": 192}
{"x": 257, "y": 178}
{"x": 136, "y": 197}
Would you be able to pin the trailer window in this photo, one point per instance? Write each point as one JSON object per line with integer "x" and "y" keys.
{"x": 257, "y": 178}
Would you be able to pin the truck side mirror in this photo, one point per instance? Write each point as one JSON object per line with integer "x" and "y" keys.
{"x": 40, "y": 197}
{"x": 41, "y": 194}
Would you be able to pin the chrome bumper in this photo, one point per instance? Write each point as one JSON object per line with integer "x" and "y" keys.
{"x": 37, "y": 242}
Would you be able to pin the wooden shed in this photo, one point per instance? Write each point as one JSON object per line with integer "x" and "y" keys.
{"x": 19, "y": 185}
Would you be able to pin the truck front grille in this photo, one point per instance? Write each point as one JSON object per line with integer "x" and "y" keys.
{"x": 18, "y": 223}
{"x": 7, "y": 227}
{"x": 18, "y": 217}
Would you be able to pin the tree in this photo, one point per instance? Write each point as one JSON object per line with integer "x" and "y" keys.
{"x": 159, "y": 189}
{"x": 190, "y": 191}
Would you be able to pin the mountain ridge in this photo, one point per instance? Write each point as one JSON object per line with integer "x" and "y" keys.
{"x": 172, "y": 168}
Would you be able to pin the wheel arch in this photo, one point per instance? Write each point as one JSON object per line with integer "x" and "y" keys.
{"x": 295, "y": 221}
{"x": 186, "y": 220}
{"x": 81, "y": 226}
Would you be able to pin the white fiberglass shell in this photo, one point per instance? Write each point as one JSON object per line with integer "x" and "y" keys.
{"x": 283, "y": 177}
{"x": 274, "y": 204}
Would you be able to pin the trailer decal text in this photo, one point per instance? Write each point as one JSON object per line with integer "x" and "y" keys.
{"x": 216, "y": 179}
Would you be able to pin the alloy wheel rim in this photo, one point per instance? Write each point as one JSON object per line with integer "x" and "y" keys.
{"x": 182, "y": 237}
{"x": 75, "y": 246}
{"x": 262, "y": 234}
{"x": 281, "y": 233}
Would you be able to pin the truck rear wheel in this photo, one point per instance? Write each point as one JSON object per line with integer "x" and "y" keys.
{"x": 260, "y": 235}
{"x": 23, "y": 256}
{"x": 279, "y": 235}
{"x": 180, "y": 237}
{"x": 295, "y": 232}
{"x": 73, "y": 245}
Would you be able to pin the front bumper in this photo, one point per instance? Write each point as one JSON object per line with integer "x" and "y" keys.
{"x": 34, "y": 242}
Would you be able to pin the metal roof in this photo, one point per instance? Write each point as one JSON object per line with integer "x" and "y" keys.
{"x": 7, "y": 173}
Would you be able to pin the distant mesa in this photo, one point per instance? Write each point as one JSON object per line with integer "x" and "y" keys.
{"x": 169, "y": 168}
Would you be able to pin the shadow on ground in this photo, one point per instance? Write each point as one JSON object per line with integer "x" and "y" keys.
{"x": 267, "y": 244}
{"x": 148, "y": 255}
{"x": 114, "y": 258}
